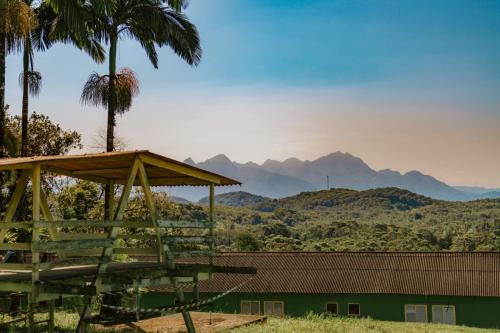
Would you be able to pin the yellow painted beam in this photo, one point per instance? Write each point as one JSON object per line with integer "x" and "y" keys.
{"x": 14, "y": 201}
{"x": 180, "y": 169}
{"x": 148, "y": 196}
{"x": 122, "y": 204}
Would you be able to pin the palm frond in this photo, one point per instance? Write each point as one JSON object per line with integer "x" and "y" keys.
{"x": 164, "y": 26}
{"x": 96, "y": 90}
{"x": 177, "y": 5}
{"x": 17, "y": 20}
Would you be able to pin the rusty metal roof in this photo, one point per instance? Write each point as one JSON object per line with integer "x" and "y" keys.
{"x": 115, "y": 166}
{"x": 443, "y": 273}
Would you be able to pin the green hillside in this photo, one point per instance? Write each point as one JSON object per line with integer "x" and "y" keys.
{"x": 387, "y": 219}
{"x": 237, "y": 199}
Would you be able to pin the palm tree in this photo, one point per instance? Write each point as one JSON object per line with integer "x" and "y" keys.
{"x": 153, "y": 23}
{"x": 51, "y": 28}
{"x": 16, "y": 20}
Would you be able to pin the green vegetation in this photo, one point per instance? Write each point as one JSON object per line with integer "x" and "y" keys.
{"x": 325, "y": 324}
{"x": 66, "y": 322}
{"x": 387, "y": 219}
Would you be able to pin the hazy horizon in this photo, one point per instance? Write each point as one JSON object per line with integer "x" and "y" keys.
{"x": 403, "y": 85}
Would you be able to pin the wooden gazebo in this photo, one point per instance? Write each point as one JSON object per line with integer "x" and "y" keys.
{"x": 83, "y": 263}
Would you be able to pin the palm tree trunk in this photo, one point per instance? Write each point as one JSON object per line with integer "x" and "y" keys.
{"x": 110, "y": 135}
{"x": 24, "y": 118}
{"x": 112, "y": 93}
{"x": 3, "y": 53}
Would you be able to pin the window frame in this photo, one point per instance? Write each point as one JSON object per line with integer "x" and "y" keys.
{"x": 250, "y": 301}
{"x": 273, "y": 302}
{"x": 326, "y": 308}
{"x": 415, "y": 305}
{"x": 445, "y": 306}
{"x": 359, "y": 308}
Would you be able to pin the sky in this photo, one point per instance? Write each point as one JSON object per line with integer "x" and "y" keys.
{"x": 405, "y": 85}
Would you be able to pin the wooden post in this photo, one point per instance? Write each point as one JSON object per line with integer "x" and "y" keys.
{"x": 52, "y": 306}
{"x": 111, "y": 199}
{"x": 211, "y": 217}
{"x": 35, "y": 237}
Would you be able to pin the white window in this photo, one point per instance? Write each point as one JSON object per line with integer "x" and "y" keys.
{"x": 274, "y": 308}
{"x": 353, "y": 309}
{"x": 444, "y": 314}
{"x": 250, "y": 307}
{"x": 332, "y": 308}
{"x": 416, "y": 313}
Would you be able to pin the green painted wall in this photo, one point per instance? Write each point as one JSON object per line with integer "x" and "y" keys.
{"x": 469, "y": 311}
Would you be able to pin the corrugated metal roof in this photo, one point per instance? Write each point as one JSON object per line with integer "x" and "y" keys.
{"x": 443, "y": 273}
{"x": 115, "y": 166}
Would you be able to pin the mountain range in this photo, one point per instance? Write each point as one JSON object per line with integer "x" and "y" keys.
{"x": 278, "y": 179}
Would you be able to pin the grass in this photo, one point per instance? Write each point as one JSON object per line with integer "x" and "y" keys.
{"x": 66, "y": 323}
{"x": 325, "y": 324}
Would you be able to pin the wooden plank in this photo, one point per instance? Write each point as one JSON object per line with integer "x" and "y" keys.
{"x": 16, "y": 166}
{"x": 192, "y": 254}
{"x": 138, "y": 251}
{"x": 15, "y": 267}
{"x": 84, "y": 253}
{"x": 81, "y": 236}
{"x": 175, "y": 240}
{"x": 95, "y": 224}
{"x": 16, "y": 286}
{"x": 183, "y": 224}
{"x": 74, "y": 262}
{"x": 180, "y": 169}
{"x": 67, "y": 289}
{"x": 15, "y": 246}
{"x": 71, "y": 244}
{"x": 16, "y": 225}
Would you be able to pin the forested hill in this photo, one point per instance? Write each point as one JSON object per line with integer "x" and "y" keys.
{"x": 388, "y": 198}
{"x": 385, "y": 219}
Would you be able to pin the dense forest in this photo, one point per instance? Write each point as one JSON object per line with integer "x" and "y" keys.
{"x": 387, "y": 219}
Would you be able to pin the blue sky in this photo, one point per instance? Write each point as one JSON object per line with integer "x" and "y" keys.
{"x": 402, "y": 84}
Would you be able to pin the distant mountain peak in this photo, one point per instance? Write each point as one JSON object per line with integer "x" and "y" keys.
{"x": 219, "y": 158}
{"x": 292, "y": 161}
{"x": 189, "y": 161}
{"x": 277, "y": 179}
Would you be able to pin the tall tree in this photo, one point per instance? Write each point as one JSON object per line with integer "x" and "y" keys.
{"x": 152, "y": 23}
{"x": 51, "y": 28}
{"x": 16, "y": 21}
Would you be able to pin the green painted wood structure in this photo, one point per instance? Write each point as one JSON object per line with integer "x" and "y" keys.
{"x": 83, "y": 267}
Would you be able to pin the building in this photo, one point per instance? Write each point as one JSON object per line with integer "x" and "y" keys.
{"x": 445, "y": 287}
